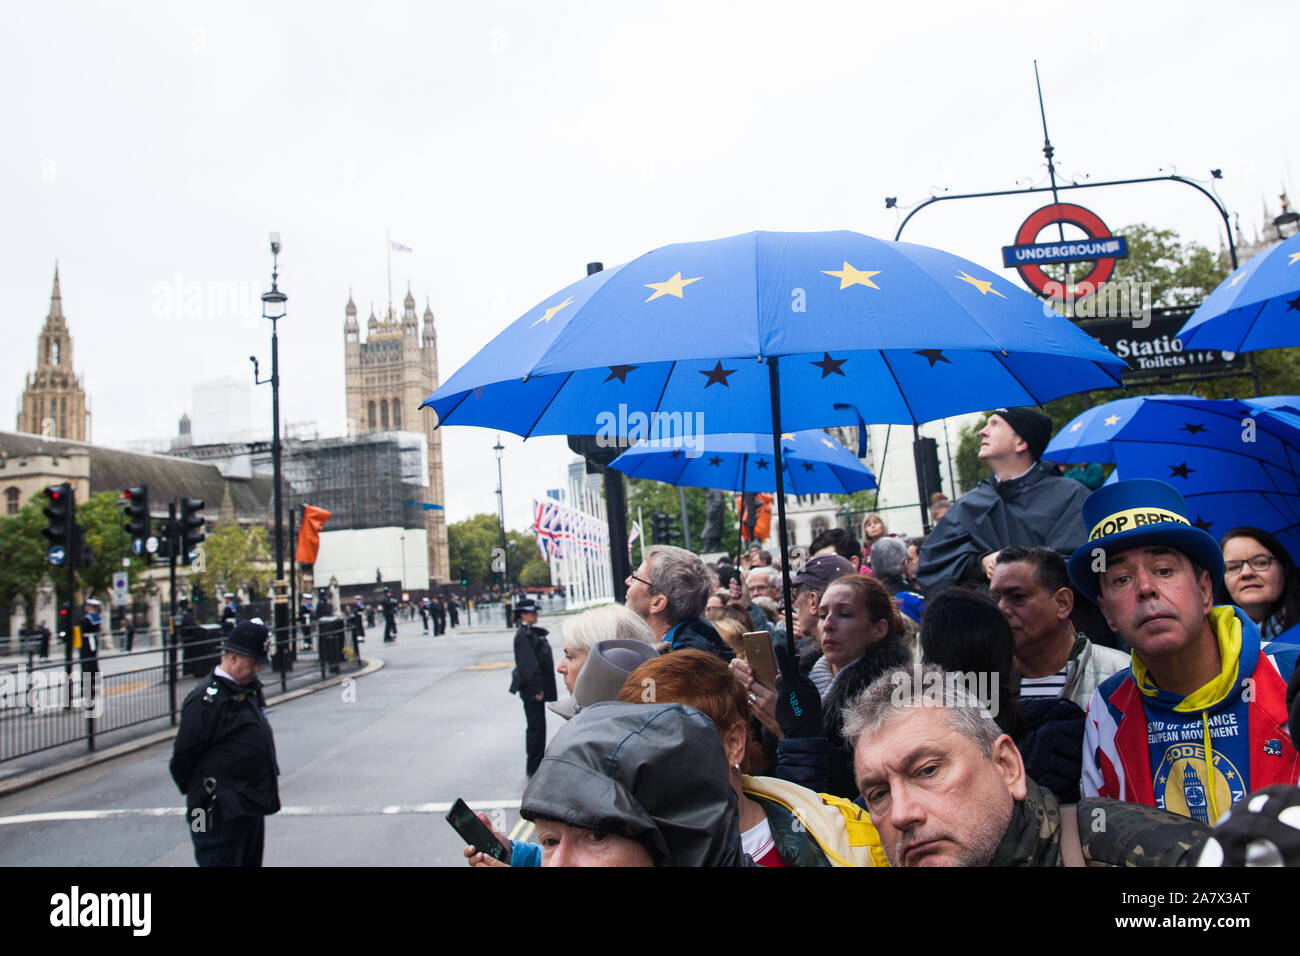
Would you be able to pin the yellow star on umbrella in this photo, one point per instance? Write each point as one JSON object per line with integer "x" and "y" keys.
{"x": 550, "y": 313}
{"x": 984, "y": 285}
{"x": 789, "y": 435}
{"x": 1295, "y": 257}
{"x": 673, "y": 286}
{"x": 1112, "y": 420}
{"x": 828, "y": 443}
{"x": 1076, "y": 426}
{"x": 1235, "y": 280}
{"x": 850, "y": 276}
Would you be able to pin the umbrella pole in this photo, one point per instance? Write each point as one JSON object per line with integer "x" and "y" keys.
{"x": 774, "y": 387}
{"x": 740, "y": 525}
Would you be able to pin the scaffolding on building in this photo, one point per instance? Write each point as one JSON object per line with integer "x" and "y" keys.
{"x": 374, "y": 480}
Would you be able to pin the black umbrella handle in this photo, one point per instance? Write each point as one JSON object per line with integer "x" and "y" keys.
{"x": 774, "y": 388}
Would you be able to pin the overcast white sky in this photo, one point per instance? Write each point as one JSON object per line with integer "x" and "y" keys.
{"x": 510, "y": 143}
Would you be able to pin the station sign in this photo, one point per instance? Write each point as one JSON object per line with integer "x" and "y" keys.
{"x": 1028, "y": 256}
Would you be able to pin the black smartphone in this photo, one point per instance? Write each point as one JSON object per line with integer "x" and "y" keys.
{"x": 473, "y": 832}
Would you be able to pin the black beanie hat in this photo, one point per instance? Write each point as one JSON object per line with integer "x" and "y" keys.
{"x": 1030, "y": 424}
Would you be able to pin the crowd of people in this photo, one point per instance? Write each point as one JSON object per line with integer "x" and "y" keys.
{"x": 1047, "y": 657}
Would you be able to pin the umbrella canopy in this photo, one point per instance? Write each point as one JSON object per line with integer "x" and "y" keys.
{"x": 1257, "y": 307}
{"x": 903, "y": 332}
{"x": 1235, "y": 462}
{"x": 681, "y": 335}
{"x": 814, "y": 463}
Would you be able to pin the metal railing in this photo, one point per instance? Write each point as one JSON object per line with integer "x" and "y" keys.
{"x": 45, "y": 704}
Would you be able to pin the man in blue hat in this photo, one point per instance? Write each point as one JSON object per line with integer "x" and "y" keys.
{"x": 1198, "y": 720}
{"x": 224, "y": 756}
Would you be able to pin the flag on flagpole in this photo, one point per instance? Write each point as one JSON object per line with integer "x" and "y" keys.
{"x": 636, "y": 533}
{"x": 313, "y": 519}
{"x": 398, "y": 247}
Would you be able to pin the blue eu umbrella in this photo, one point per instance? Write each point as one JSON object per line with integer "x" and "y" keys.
{"x": 1257, "y": 307}
{"x": 769, "y": 332}
{"x": 1235, "y": 462}
{"x": 905, "y": 333}
{"x": 813, "y": 463}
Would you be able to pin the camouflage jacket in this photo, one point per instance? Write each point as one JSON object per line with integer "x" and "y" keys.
{"x": 1111, "y": 832}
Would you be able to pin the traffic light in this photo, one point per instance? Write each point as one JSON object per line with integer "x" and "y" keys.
{"x": 191, "y": 530}
{"x": 59, "y": 513}
{"x": 464, "y": 576}
{"x": 80, "y": 555}
{"x": 926, "y": 453}
{"x": 672, "y": 529}
{"x": 663, "y": 528}
{"x": 135, "y": 500}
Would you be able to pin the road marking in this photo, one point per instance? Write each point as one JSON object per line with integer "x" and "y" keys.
{"x": 57, "y": 816}
{"x": 126, "y": 687}
{"x": 489, "y": 666}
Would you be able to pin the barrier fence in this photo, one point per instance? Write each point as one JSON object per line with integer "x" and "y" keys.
{"x": 49, "y": 703}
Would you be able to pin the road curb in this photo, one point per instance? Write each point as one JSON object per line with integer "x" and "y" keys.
{"x": 45, "y": 774}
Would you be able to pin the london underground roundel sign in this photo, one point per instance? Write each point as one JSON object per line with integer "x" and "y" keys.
{"x": 1099, "y": 246}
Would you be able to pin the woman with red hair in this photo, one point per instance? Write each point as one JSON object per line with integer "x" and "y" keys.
{"x": 781, "y": 823}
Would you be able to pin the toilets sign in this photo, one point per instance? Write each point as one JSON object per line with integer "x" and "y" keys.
{"x": 1097, "y": 246}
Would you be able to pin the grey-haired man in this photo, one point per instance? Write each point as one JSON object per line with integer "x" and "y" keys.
{"x": 945, "y": 787}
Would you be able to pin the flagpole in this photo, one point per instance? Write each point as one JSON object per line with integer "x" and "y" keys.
{"x": 389, "y": 253}
{"x": 640, "y": 523}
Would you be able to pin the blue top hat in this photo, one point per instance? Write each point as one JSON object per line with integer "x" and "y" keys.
{"x": 1137, "y": 514}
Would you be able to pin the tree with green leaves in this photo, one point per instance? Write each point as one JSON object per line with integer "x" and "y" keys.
{"x": 473, "y": 544}
{"x": 108, "y": 541}
{"x": 655, "y": 496}
{"x": 234, "y": 556}
{"x": 25, "y": 552}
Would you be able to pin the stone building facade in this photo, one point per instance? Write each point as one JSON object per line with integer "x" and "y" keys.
{"x": 53, "y": 402}
{"x": 388, "y": 375}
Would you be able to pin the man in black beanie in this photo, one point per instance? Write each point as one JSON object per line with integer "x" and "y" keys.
{"x": 1024, "y": 503}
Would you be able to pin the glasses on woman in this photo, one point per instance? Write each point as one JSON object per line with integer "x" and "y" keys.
{"x": 1258, "y": 562}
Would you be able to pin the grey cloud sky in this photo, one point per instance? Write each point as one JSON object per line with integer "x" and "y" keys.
{"x": 510, "y": 143}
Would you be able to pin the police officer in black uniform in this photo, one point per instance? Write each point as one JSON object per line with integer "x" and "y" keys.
{"x": 224, "y": 756}
{"x": 91, "y": 622}
{"x": 229, "y": 615}
{"x": 534, "y": 679}
{"x": 390, "y": 618}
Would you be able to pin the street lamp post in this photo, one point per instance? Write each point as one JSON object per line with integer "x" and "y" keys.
{"x": 501, "y": 504}
{"x": 273, "y": 308}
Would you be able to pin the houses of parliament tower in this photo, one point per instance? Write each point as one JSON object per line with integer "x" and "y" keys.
{"x": 388, "y": 375}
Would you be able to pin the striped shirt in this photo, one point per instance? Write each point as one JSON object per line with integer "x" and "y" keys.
{"x": 1053, "y": 685}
